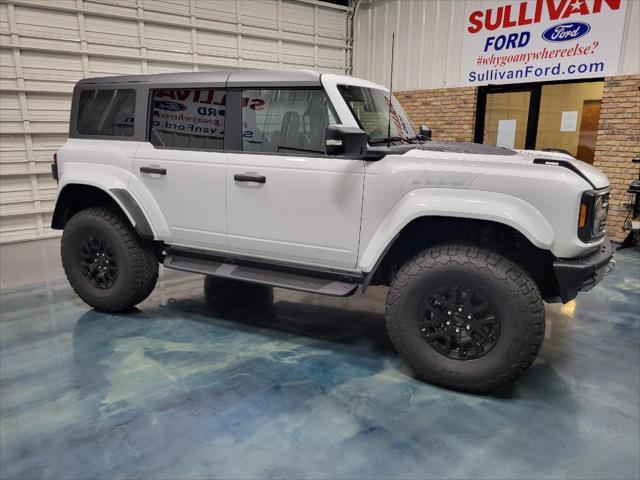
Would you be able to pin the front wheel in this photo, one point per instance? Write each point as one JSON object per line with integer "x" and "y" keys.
{"x": 465, "y": 318}
{"x": 106, "y": 263}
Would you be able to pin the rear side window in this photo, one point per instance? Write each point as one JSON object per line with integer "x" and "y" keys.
{"x": 285, "y": 120}
{"x": 108, "y": 112}
{"x": 188, "y": 118}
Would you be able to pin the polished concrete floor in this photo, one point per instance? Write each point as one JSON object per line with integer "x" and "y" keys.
{"x": 299, "y": 387}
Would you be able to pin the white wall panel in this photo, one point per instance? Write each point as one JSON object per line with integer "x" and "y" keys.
{"x": 48, "y": 45}
{"x": 428, "y": 43}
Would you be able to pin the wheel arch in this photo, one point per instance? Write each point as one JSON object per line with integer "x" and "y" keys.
{"x": 74, "y": 197}
{"x": 427, "y": 231}
{"x": 456, "y": 205}
{"x": 498, "y": 224}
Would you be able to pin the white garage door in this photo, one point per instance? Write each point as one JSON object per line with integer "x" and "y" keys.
{"x": 48, "y": 45}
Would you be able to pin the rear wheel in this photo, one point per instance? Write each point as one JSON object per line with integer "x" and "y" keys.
{"x": 465, "y": 318}
{"x": 106, "y": 263}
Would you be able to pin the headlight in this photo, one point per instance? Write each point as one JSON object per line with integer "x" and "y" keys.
{"x": 600, "y": 216}
{"x": 592, "y": 219}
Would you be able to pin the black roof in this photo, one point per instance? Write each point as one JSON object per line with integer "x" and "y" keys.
{"x": 217, "y": 78}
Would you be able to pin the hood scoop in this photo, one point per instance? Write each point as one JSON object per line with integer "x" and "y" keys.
{"x": 588, "y": 172}
{"x": 565, "y": 164}
{"x": 465, "y": 147}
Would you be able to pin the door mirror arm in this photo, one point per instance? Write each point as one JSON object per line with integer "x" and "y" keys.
{"x": 424, "y": 133}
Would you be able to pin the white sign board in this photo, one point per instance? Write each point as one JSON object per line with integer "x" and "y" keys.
{"x": 506, "y": 133}
{"x": 569, "y": 121}
{"x": 541, "y": 40}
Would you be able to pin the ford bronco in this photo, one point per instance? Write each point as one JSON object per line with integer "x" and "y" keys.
{"x": 319, "y": 182}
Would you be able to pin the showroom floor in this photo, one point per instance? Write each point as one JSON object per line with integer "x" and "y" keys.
{"x": 301, "y": 387}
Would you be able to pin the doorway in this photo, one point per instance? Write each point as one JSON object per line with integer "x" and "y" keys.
{"x": 588, "y": 129}
{"x": 554, "y": 116}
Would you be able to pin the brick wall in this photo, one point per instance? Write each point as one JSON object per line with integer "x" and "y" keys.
{"x": 450, "y": 112}
{"x": 617, "y": 143}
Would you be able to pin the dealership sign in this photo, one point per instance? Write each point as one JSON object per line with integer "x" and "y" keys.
{"x": 541, "y": 40}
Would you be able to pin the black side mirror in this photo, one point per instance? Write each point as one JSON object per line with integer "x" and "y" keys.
{"x": 346, "y": 141}
{"x": 424, "y": 133}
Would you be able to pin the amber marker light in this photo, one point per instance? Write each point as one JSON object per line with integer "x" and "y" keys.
{"x": 583, "y": 215}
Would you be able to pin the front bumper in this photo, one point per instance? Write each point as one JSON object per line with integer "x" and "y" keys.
{"x": 582, "y": 274}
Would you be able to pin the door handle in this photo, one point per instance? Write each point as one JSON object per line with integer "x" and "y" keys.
{"x": 244, "y": 177}
{"x": 157, "y": 170}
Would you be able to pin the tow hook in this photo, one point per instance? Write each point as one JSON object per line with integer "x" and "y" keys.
{"x": 611, "y": 266}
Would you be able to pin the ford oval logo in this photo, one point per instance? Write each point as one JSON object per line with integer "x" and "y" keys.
{"x": 566, "y": 31}
{"x": 168, "y": 105}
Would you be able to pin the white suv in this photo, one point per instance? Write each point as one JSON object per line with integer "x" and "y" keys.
{"x": 318, "y": 182}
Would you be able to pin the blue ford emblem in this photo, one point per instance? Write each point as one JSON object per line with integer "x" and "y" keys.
{"x": 168, "y": 105}
{"x": 566, "y": 31}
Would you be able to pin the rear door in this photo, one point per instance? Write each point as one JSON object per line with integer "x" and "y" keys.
{"x": 183, "y": 164}
{"x": 286, "y": 199}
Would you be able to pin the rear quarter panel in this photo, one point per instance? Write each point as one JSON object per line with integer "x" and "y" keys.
{"x": 105, "y": 164}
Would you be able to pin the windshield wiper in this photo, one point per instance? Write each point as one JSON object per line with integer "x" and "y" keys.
{"x": 385, "y": 140}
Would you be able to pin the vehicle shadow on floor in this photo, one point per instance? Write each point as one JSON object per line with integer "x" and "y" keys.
{"x": 332, "y": 321}
{"x": 336, "y": 324}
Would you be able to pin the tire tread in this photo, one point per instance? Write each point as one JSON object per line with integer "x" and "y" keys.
{"x": 142, "y": 258}
{"x": 502, "y": 269}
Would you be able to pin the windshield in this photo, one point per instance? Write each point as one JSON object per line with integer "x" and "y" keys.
{"x": 371, "y": 108}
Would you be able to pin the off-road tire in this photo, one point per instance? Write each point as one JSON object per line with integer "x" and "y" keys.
{"x": 507, "y": 286}
{"x": 137, "y": 260}
{"x": 222, "y": 293}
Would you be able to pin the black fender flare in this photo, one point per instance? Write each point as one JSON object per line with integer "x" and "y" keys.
{"x": 133, "y": 208}
{"x": 70, "y": 200}
{"x": 369, "y": 276}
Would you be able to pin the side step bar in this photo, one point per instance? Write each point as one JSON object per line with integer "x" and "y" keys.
{"x": 262, "y": 274}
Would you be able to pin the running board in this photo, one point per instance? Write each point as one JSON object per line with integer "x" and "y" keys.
{"x": 259, "y": 274}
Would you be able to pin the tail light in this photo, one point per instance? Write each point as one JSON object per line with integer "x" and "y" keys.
{"x": 54, "y": 167}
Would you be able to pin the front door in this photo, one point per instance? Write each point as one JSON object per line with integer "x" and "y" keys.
{"x": 286, "y": 200}
{"x": 183, "y": 165}
{"x": 588, "y": 130}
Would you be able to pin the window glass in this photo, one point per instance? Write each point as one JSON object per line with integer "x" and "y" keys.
{"x": 569, "y": 117}
{"x": 278, "y": 120}
{"x": 506, "y": 119}
{"x": 106, "y": 112}
{"x": 376, "y": 115}
{"x": 188, "y": 118}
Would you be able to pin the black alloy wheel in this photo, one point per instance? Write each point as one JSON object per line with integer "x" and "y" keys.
{"x": 459, "y": 323}
{"x": 99, "y": 263}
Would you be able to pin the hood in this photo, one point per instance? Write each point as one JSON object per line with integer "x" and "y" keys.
{"x": 498, "y": 154}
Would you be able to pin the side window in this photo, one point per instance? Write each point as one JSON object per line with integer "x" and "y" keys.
{"x": 285, "y": 120}
{"x": 107, "y": 112}
{"x": 188, "y": 118}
